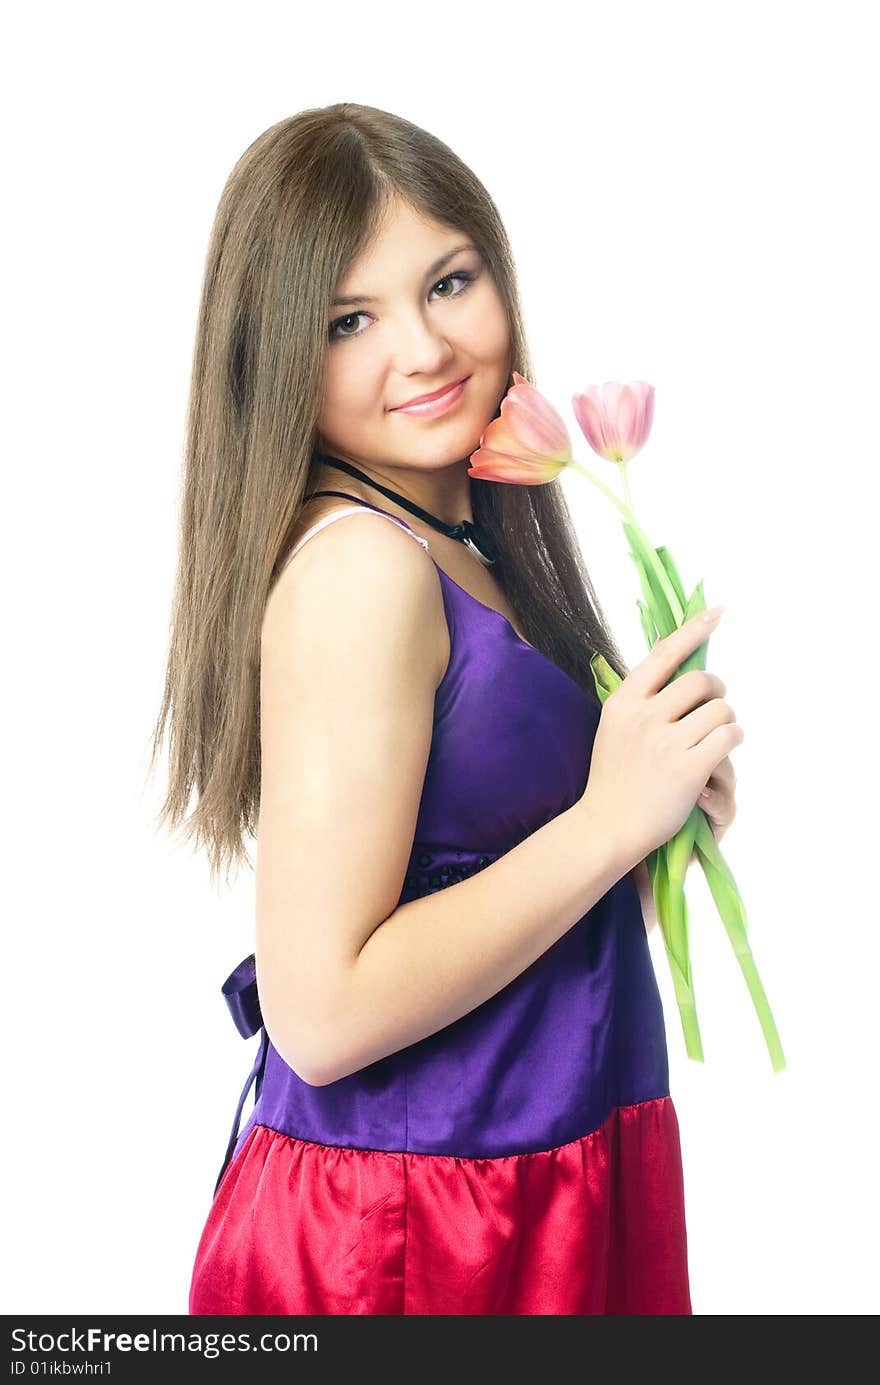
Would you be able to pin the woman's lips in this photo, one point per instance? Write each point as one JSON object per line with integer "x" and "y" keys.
{"x": 435, "y": 406}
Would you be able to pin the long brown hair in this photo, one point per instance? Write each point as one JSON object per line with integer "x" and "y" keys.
{"x": 298, "y": 207}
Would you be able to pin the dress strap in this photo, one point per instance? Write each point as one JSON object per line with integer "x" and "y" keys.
{"x": 359, "y": 508}
{"x": 359, "y": 500}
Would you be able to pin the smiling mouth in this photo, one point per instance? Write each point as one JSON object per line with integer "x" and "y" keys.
{"x": 431, "y": 398}
{"x": 439, "y": 404}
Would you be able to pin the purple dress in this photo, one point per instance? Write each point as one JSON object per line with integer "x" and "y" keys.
{"x": 523, "y": 1159}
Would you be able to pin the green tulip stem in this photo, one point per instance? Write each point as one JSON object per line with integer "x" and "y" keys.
{"x": 649, "y": 553}
{"x": 728, "y": 901}
{"x": 615, "y": 499}
{"x": 625, "y": 478}
{"x": 669, "y": 918}
{"x": 668, "y": 864}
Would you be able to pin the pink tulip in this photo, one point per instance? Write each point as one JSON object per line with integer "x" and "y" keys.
{"x": 528, "y": 445}
{"x": 615, "y": 419}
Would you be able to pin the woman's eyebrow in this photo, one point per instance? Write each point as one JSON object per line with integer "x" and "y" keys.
{"x": 432, "y": 269}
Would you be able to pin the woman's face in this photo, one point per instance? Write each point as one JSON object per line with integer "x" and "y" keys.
{"x": 422, "y": 324}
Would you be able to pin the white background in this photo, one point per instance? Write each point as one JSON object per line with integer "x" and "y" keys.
{"x": 690, "y": 194}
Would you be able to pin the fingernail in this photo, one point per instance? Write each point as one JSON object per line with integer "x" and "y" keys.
{"x": 704, "y": 793}
{"x": 713, "y": 614}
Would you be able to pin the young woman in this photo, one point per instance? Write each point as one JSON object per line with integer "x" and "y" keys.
{"x": 462, "y": 1090}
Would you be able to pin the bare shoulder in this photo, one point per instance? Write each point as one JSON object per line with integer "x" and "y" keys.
{"x": 362, "y": 581}
{"x": 350, "y": 662}
{"x": 312, "y": 511}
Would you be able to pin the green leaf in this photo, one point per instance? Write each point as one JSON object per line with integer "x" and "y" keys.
{"x": 605, "y": 677}
{"x": 642, "y": 555}
{"x": 650, "y": 630}
{"x": 672, "y": 572}
{"x": 697, "y": 657}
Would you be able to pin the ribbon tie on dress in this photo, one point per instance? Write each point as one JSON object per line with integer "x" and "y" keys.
{"x": 240, "y": 993}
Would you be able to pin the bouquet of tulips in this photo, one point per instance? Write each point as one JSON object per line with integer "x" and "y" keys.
{"x": 529, "y": 445}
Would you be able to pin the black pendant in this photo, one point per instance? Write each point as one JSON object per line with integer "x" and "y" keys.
{"x": 476, "y": 539}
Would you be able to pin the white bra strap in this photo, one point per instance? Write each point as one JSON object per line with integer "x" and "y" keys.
{"x": 339, "y": 514}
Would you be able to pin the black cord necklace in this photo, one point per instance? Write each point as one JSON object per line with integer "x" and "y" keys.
{"x": 472, "y": 535}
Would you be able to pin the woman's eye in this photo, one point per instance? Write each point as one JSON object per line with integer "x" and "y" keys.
{"x": 464, "y": 275}
{"x": 448, "y": 278}
{"x": 349, "y": 317}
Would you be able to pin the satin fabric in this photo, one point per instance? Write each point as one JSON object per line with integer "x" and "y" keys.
{"x": 595, "y": 1226}
{"x": 540, "y": 1063}
{"x": 526, "y": 1154}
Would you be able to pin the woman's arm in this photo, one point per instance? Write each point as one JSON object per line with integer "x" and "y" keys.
{"x": 354, "y": 645}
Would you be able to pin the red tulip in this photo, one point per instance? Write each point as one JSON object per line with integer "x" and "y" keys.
{"x": 528, "y": 445}
{"x": 615, "y": 419}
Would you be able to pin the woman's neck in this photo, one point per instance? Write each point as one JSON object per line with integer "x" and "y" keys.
{"x": 445, "y": 493}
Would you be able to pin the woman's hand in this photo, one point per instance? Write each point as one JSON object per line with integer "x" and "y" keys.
{"x": 719, "y": 807}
